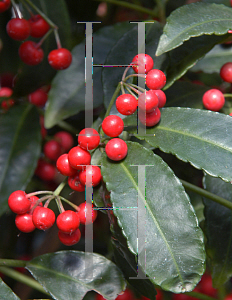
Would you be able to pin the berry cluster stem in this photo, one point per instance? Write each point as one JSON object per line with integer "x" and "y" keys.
{"x": 60, "y": 187}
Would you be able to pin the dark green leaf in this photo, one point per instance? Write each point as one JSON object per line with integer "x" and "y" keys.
{"x": 203, "y": 138}
{"x": 174, "y": 242}
{"x": 214, "y": 60}
{"x": 33, "y": 77}
{"x": 6, "y": 293}
{"x": 19, "y": 149}
{"x": 71, "y": 275}
{"x": 218, "y": 230}
{"x": 110, "y": 77}
{"x": 194, "y": 20}
{"x": 225, "y": 2}
{"x": 67, "y": 94}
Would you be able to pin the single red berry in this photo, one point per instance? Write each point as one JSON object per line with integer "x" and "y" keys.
{"x": 85, "y": 212}
{"x": 213, "y": 100}
{"x": 68, "y": 221}
{"x": 150, "y": 119}
{"x": 60, "y": 59}
{"x": 116, "y": 149}
{"x": 38, "y": 97}
{"x": 75, "y": 184}
{"x": 4, "y": 5}
{"x": 5, "y": 92}
{"x": 30, "y": 53}
{"x": 70, "y": 239}
{"x": 88, "y": 139}
{"x": 126, "y": 104}
{"x": 65, "y": 139}
{"x": 45, "y": 170}
{"x": 226, "y": 72}
{"x": 126, "y": 295}
{"x": 155, "y": 79}
{"x": 148, "y": 100}
{"x": 64, "y": 167}
{"x": 52, "y": 150}
{"x": 38, "y": 26}
{"x": 79, "y": 157}
{"x": 161, "y": 97}
{"x": 91, "y": 176}
{"x": 18, "y": 202}
{"x": 143, "y": 63}
{"x": 34, "y": 200}
{"x": 18, "y": 29}
{"x": 24, "y": 223}
{"x": 43, "y": 217}
{"x": 113, "y": 125}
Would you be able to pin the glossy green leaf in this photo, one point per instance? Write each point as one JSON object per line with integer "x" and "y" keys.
{"x": 67, "y": 94}
{"x": 110, "y": 77}
{"x": 19, "y": 149}
{"x": 33, "y": 77}
{"x": 214, "y": 60}
{"x": 72, "y": 274}
{"x": 225, "y": 2}
{"x": 218, "y": 230}
{"x": 203, "y": 138}
{"x": 194, "y": 20}
{"x": 174, "y": 242}
{"x": 6, "y": 293}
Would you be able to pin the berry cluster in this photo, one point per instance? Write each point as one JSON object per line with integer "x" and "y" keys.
{"x": 30, "y": 52}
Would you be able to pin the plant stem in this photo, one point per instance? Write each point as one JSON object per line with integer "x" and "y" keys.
{"x": 132, "y": 6}
{"x": 13, "y": 263}
{"x": 23, "y": 279}
{"x": 227, "y": 95}
{"x": 64, "y": 125}
{"x": 60, "y": 187}
{"x": 206, "y": 194}
{"x": 70, "y": 203}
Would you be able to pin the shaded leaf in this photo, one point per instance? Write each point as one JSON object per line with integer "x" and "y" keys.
{"x": 73, "y": 273}
{"x": 203, "y": 138}
{"x": 174, "y": 242}
{"x": 194, "y": 20}
{"x": 218, "y": 230}
{"x": 67, "y": 94}
{"x": 19, "y": 149}
{"x": 6, "y": 293}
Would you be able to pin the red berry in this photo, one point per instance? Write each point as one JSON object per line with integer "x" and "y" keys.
{"x": 116, "y": 149}
{"x": 148, "y": 100}
{"x": 155, "y": 79}
{"x": 45, "y": 170}
{"x": 213, "y": 100}
{"x": 24, "y": 223}
{"x": 113, "y": 125}
{"x": 68, "y": 221}
{"x": 75, "y": 184}
{"x": 88, "y": 139}
{"x": 4, "y": 5}
{"x": 143, "y": 63}
{"x": 30, "y": 53}
{"x": 43, "y": 217}
{"x": 69, "y": 239}
{"x": 126, "y": 104}
{"x": 79, "y": 157}
{"x": 206, "y": 286}
{"x": 5, "y": 92}
{"x": 85, "y": 213}
{"x": 226, "y": 72}
{"x": 92, "y": 174}
{"x": 64, "y": 166}
{"x": 38, "y": 26}
{"x": 60, "y": 59}
{"x": 33, "y": 200}
{"x": 65, "y": 139}
{"x": 229, "y": 296}
{"x": 6, "y": 104}
{"x": 126, "y": 295}
{"x": 52, "y": 150}
{"x": 38, "y": 97}
{"x": 161, "y": 97}
{"x": 230, "y": 2}
{"x": 18, "y": 29}
{"x": 18, "y": 202}
{"x": 150, "y": 119}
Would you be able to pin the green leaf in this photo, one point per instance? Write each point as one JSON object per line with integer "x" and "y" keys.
{"x": 67, "y": 94}
{"x": 33, "y": 77}
{"x": 19, "y": 149}
{"x": 194, "y": 20}
{"x": 218, "y": 230}
{"x": 214, "y": 60}
{"x": 203, "y": 138}
{"x": 71, "y": 275}
{"x": 6, "y": 293}
{"x": 174, "y": 242}
{"x": 225, "y": 2}
{"x": 110, "y": 77}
